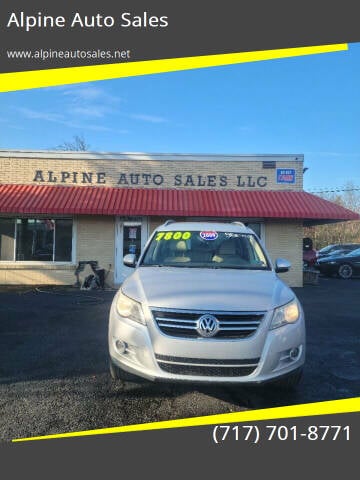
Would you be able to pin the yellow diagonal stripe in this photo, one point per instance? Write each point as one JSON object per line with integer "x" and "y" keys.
{"x": 64, "y": 76}
{"x": 304, "y": 410}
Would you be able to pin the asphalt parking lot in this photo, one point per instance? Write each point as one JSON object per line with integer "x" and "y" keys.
{"x": 54, "y": 366}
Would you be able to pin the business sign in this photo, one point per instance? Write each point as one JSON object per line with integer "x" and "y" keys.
{"x": 154, "y": 179}
{"x": 285, "y": 175}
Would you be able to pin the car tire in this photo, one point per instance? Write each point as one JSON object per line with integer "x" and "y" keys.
{"x": 345, "y": 271}
{"x": 117, "y": 373}
{"x": 290, "y": 382}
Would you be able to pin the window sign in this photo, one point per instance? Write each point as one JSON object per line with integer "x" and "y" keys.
{"x": 132, "y": 248}
{"x": 285, "y": 175}
{"x": 132, "y": 233}
{"x": 132, "y": 239}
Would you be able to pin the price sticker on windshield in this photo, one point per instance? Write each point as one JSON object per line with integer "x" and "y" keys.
{"x": 172, "y": 236}
{"x": 209, "y": 235}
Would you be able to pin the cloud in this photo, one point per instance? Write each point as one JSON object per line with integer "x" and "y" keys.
{"x": 84, "y": 93}
{"x": 66, "y": 121}
{"x": 148, "y": 118}
{"x": 89, "y": 93}
{"x": 93, "y": 127}
{"x": 89, "y": 101}
{"x": 39, "y": 115}
{"x": 90, "y": 111}
{"x": 87, "y": 108}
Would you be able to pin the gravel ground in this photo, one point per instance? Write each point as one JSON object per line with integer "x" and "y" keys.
{"x": 54, "y": 372}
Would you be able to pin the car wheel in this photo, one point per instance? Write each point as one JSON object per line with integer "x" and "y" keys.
{"x": 290, "y": 382}
{"x": 345, "y": 271}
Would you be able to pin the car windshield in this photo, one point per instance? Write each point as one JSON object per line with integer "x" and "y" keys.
{"x": 339, "y": 251}
{"x": 205, "y": 249}
{"x": 328, "y": 248}
{"x": 354, "y": 252}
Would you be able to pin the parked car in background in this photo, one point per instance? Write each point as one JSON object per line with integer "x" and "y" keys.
{"x": 338, "y": 248}
{"x": 344, "y": 264}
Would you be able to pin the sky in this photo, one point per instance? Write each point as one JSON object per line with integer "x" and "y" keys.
{"x": 305, "y": 105}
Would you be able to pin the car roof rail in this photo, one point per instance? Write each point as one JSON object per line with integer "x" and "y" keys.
{"x": 168, "y": 222}
{"x": 240, "y": 224}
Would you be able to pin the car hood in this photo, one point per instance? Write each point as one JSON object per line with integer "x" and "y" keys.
{"x": 207, "y": 289}
{"x": 333, "y": 258}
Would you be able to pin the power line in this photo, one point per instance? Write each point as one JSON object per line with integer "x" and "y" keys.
{"x": 336, "y": 190}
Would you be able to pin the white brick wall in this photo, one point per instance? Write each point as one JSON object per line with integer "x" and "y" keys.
{"x": 96, "y": 241}
{"x": 284, "y": 240}
{"x": 23, "y": 171}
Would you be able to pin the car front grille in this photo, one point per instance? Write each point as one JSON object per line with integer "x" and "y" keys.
{"x": 207, "y": 367}
{"x": 184, "y": 323}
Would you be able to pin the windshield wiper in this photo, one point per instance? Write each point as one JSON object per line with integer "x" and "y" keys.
{"x": 152, "y": 265}
{"x": 233, "y": 267}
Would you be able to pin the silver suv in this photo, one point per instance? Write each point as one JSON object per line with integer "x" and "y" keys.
{"x": 205, "y": 304}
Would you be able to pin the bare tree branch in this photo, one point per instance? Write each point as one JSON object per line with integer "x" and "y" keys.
{"x": 78, "y": 144}
{"x": 343, "y": 232}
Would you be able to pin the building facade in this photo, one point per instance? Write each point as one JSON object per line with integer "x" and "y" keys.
{"x": 59, "y": 208}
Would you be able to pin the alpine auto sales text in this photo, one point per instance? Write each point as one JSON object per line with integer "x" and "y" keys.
{"x": 78, "y": 20}
{"x": 156, "y": 179}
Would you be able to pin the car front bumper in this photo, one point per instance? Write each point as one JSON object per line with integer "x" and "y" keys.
{"x": 327, "y": 269}
{"x": 144, "y": 351}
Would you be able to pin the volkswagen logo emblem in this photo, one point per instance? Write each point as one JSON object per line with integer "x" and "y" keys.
{"x": 207, "y": 325}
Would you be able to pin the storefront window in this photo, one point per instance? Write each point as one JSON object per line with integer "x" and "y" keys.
{"x": 36, "y": 239}
{"x": 7, "y": 238}
{"x": 63, "y": 240}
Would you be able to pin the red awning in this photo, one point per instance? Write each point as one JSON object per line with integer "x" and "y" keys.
{"x": 73, "y": 200}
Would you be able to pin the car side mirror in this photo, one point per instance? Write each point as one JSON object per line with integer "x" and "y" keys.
{"x": 282, "y": 265}
{"x": 130, "y": 260}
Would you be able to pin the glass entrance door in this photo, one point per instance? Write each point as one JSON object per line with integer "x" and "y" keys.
{"x": 131, "y": 236}
{"x": 132, "y": 239}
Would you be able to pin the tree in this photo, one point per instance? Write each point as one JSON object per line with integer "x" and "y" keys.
{"x": 78, "y": 144}
{"x": 342, "y": 232}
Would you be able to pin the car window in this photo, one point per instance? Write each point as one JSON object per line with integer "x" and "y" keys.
{"x": 205, "y": 249}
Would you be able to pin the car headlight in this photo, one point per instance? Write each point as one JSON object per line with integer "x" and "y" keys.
{"x": 286, "y": 314}
{"x": 129, "y": 308}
